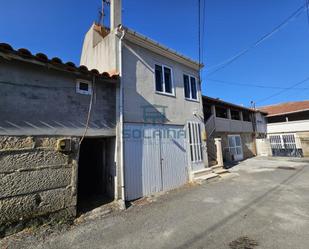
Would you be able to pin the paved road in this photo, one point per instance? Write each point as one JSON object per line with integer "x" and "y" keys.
{"x": 267, "y": 204}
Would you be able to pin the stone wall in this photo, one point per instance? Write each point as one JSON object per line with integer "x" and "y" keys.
{"x": 304, "y": 139}
{"x": 36, "y": 179}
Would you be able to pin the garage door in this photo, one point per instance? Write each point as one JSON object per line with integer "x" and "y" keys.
{"x": 155, "y": 159}
{"x": 285, "y": 145}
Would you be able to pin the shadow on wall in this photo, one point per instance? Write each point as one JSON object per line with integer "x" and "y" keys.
{"x": 144, "y": 128}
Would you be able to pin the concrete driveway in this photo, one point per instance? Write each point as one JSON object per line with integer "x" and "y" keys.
{"x": 264, "y": 200}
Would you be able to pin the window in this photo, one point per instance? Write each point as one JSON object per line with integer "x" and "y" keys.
{"x": 83, "y": 87}
{"x": 195, "y": 142}
{"x": 164, "y": 79}
{"x": 221, "y": 112}
{"x": 246, "y": 116}
{"x": 235, "y": 115}
{"x": 190, "y": 87}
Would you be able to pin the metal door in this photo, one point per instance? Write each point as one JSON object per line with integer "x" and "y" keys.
{"x": 235, "y": 147}
{"x": 285, "y": 145}
{"x": 195, "y": 145}
{"x": 155, "y": 159}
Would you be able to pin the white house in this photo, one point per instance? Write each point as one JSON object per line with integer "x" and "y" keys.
{"x": 288, "y": 128}
{"x": 160, "y": 112}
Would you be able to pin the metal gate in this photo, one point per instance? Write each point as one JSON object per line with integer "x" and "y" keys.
{"x": 155, "y": 159}
{"x": 285, "y": 145}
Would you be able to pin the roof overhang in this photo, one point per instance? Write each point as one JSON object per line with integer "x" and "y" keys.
{"x": 287, "y": 113}
{"x": 158, "y": 48}
{"x": 228, "y": 104}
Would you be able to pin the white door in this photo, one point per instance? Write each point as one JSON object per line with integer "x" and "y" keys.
{"x": 235, "y": 147}
{"x": 155, "y": 159}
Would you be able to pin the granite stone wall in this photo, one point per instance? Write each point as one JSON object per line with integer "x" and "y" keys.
{"x": 36, "y": 179}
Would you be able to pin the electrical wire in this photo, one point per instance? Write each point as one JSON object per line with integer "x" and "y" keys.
{"x": 89, "y": 110}
{"x": 284, "y": 90}
{"x": 230, "y": 60}
{"x": 253, "y": 85}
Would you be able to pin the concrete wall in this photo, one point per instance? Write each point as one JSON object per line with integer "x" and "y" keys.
{"x": 98, "y": 52}
{"x": 38, "y": 106}
{"x": 139, "y": 87}
{"x": 36, "y": 100}
{"x": 286, "y": 127}
{"x": 304, "y": 139}
{"x": 36, "y": 179}
{"x": 263, "y": 147}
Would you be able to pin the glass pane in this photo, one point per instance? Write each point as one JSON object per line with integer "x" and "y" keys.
{"x": 168, "y": 80}
{"x": 186, "y": 86}
{"x": 238, "y": 150}
{"x": 233, "y": 151}
{"x": 232, "y": 142}
{"x": 159, "y": 79}
{"x": 237, "y": 138}
{"x": 193, "y": 88}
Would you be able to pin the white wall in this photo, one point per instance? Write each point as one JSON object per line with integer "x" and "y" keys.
{"x": 139, "y": 87}
{"x": 286, "y": 127}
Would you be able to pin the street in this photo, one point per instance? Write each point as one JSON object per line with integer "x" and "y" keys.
{"x": 263, "y": 200}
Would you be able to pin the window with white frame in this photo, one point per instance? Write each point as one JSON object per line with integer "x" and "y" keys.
{"x": 195, "y": 142}
{"x": 190, "y": 87}
{"x": 83, "y": 87}
{"x": 164, "y": 79}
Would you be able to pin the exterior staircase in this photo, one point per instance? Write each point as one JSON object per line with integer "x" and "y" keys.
{"x": 214, "y": 171}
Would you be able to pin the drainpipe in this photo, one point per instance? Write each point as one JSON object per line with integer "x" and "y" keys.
{"x": 121, "y": 115}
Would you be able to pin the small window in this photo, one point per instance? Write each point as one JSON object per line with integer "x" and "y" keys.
{"x": 190, "y": 87}
{"x": 164, "y": 79}
{"x": 83, "y": 87}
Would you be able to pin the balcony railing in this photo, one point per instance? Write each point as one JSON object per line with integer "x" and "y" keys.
{"x": 230, "y": 125}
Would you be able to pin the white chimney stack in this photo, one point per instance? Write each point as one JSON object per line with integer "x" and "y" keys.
{"x": 115, "y": 14}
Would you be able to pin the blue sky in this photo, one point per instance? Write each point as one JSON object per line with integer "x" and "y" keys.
{"x": 57, "y": 28}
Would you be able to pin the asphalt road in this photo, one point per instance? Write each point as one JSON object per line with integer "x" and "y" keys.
{"x": 263, "y": 200}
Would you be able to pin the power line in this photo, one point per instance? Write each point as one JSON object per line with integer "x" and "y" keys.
{"x": 253, "y": 85}
{"x": 284, "y": 90}
{"x": 230, "y": 60}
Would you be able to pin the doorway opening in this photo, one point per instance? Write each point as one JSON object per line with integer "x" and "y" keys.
{"x": 96, "y": 172}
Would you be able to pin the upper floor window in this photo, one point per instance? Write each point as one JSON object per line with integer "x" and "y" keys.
{"x": 221, "y": 112}
{"x": 190, "y": 87}
{"x": 164, "y": 79}
{"x": 235, "y": 115}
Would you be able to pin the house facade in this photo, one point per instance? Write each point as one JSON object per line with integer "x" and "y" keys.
{"x": 51, "y": 114}
{"x": 160, "y": 117}
{"x": 235, "y": 125}
{"x": 288, "y": 128}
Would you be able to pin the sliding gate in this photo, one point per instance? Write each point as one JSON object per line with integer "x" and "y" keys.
{"x": 285, "y": 145}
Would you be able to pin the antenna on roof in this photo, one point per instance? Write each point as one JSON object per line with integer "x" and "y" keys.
{"x": 102, "y": 12}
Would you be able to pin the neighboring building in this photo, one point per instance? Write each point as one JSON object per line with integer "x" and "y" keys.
{"x": 288, "y": 128}
{"x": 159, "y": 110}
{"x": 237, "y": 126}
{"x": 46, "y": 108}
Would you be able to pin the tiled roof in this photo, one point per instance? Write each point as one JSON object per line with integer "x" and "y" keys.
{"x": 55, "y": 62}
{"x": 285, "y": 108}
{"x": 207, "y": 99}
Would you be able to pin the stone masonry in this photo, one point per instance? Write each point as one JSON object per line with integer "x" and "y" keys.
{"x": 36, "y": 179}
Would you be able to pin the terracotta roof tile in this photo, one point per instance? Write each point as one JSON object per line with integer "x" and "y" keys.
{"x": 56, "y": 62}
{"x": 284, "y": 108}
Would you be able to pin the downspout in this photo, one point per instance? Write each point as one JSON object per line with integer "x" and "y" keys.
{"x": 121, "y": 100}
